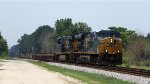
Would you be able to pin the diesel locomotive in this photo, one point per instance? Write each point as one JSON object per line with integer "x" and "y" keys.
{"x": 102, "y": 48}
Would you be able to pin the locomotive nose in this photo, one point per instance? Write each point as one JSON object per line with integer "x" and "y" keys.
{"x": 112, "y": 46}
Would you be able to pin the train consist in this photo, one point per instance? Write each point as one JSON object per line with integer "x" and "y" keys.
{"x": 102, "y": 48}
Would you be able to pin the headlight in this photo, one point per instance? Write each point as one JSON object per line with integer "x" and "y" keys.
{"x": 110, "y": 40}
{"x": 106, "y": 50}
{"x": 118, "y": 51}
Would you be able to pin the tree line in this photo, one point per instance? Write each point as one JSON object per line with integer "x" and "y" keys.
{"x": 3, "y": 47}
{"x": 135, "y": 47}
{"x": 43, "y": 39}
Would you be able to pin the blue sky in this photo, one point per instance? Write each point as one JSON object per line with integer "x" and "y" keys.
{"x": 20, "y": 17}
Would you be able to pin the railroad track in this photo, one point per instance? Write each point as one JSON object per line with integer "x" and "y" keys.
{"x": 131, "y": 71}
{"x": 124, "y": 70}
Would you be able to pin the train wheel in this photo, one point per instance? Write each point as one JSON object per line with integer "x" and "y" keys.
{"x": 67, "y": 58}
{"x": 57, "y": 58}
{"x": 78, "y": 59}
{"x": 100, "y": 63}
{"x": 93, "y": 59}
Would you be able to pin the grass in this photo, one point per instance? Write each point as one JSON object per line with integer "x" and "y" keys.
{"x": 4, "y": 56}
{"x": 135, "y": 66}
{"x": 89, "y": 78}
{"x": 140, "y": 67}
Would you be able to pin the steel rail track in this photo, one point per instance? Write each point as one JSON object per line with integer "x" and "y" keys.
{"x": 125, "y": 70}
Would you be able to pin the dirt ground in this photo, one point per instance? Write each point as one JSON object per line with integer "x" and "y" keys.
{"x": 22, "y": 72}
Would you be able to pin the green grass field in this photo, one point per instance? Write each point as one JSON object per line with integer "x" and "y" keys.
{"x": 88, "y": 78}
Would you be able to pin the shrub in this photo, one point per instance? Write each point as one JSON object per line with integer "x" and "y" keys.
{"x": 138, "y": 52}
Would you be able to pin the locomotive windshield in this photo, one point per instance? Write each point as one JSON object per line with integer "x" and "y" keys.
{"x": 108, "y": 33}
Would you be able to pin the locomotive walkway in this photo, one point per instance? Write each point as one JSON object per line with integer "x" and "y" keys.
{"x": 22, "y": 72}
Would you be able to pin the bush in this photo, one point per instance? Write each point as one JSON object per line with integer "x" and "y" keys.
{"x": 138, "y": 53}
{"x": 145, "y": 63}
{"x": 4, "y": 55}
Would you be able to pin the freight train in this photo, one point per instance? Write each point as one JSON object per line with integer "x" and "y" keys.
{"x": 102, "y": 48}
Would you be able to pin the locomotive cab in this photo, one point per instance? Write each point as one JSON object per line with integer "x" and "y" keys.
{"x": 110, "y": 47}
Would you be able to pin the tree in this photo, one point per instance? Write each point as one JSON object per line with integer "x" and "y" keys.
{"x": 40, "y": 41}
{"x": 66, "y": 27}
{"x": 46, "y": 40}
{"x": 148, "y": 36}
{"x": 79, "y": 28}
{"x": 24, "y": 43}
{"x": 63, "y": 26}
{"x": 3, "y": 46}
{"x": 14, "y": 50}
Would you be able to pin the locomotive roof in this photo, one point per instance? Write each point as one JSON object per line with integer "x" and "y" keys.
{"x": 108, "y": 33}
{"x": 102, "y": 33}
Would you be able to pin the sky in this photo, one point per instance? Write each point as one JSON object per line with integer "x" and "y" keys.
{"x": 18, "y": 17}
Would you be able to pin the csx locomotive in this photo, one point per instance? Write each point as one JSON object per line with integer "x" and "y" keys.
{"x": 102, "y": 48}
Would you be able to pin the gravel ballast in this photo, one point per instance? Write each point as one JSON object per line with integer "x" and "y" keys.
{"x": 125, "y": 77}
